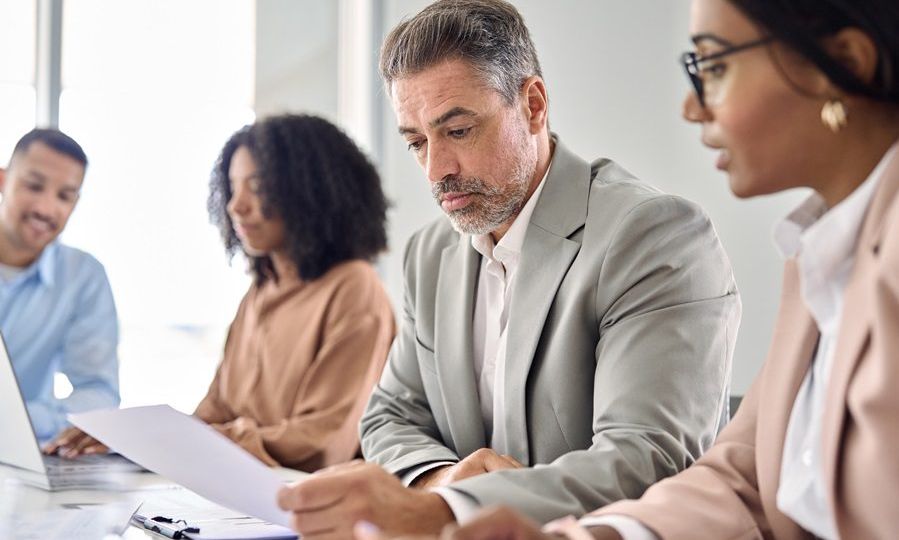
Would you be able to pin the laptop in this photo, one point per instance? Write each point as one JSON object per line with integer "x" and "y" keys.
{"x": 21, "y": 452}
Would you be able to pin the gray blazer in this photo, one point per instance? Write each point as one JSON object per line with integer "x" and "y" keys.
{"x": 621, "y": 329}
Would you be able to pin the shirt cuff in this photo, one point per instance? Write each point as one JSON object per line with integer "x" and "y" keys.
{"x": 464, "y": 506}
{"x": 628, "y": 527}
{"x": 413, "y": 474}
{"x": 46, "y": 420}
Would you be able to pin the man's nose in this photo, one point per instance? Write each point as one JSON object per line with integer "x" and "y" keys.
{"x": 441, "y": 162}
{"x": 47, "y": 205}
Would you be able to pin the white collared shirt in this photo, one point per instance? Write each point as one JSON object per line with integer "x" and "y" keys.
{"x": 499, "y": 263}
{"x": 824, "y": 243}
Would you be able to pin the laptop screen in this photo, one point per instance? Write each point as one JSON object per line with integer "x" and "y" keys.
{"x": 18, "y": 445}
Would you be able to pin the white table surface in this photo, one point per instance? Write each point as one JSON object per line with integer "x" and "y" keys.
{"x": 18, "y": 499}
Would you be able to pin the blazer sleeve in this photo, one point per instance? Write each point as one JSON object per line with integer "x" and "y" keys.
{"x": 718, "y": 497}
{"x": 668, "y": 312}
{"x": 398, "y": 428}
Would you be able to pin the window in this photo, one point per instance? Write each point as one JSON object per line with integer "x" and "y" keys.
{"x": 152, "y": 89}
{"x": 18, "y": 23}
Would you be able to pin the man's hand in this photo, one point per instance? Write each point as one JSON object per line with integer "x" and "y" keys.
{"x": 72, "y": 442}
{"x": 325, "y": 505}
{"x": 478, "y": 462}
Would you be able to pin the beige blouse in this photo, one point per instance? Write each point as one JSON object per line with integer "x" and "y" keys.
{"x": 299, "y": 362}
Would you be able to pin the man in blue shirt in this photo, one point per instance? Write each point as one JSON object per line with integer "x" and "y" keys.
{"x": 56, "y": 307}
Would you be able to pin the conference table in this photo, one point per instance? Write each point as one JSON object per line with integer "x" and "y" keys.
{"x": 25, "y": 510}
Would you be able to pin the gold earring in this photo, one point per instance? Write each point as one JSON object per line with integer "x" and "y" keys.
{"x": 834, "y": 115}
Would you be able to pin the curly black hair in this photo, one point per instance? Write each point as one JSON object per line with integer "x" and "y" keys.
{"x": 318, "y": 181}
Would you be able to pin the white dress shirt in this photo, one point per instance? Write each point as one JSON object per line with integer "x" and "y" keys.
{"x": 824, "y": 244}
{"x": 499, "y": 262}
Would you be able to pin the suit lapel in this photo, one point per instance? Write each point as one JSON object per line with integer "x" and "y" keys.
{"x": 453, "y": 345}
{"x": 546, "y": 255}
{"x": 855, "y": 325}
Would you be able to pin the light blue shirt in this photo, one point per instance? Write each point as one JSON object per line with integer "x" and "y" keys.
{"x": 58, "y": 315}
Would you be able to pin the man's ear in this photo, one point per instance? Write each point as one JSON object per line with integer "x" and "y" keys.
{"x": 535, "y": 103}
{"x": 2, "y": 179}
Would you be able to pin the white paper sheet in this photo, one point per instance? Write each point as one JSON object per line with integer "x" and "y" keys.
{"x": 191, "y": 453}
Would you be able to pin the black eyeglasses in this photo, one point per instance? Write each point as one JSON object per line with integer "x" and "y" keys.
{"x": 692, "y": 63}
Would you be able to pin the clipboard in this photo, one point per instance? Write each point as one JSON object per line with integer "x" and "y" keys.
{"x": 237, "y": 528}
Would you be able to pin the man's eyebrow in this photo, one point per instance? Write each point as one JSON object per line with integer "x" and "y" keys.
{"x": 442, "y": 119}
{"x": 697, "y": 39}
{"x": 35, "y": 175}
{"x": 450, "y": 114}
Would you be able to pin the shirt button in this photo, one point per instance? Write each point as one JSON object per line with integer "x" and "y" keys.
{"x": 807, "y": 458}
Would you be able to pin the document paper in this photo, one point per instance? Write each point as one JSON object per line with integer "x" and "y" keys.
{"x": 191, "y": 453}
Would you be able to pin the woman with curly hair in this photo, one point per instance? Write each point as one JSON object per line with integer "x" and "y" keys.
{"x": 310, "y": 337}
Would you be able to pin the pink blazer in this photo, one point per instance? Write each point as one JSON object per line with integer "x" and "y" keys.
{"x": 730, "y": 492}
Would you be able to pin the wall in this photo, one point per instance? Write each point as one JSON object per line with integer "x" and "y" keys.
{"x": 296, "y": 57}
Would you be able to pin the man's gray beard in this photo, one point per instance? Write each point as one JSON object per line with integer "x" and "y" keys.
{"x": 493, "y": 205}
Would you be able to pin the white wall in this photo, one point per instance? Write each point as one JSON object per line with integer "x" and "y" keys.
{"x": 615, "y": 89}
{"x": 296, "y": 57}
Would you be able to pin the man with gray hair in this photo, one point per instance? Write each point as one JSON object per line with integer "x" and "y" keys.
{"x": 567, "y": 331}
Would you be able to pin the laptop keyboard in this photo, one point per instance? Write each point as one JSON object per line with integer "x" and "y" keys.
{"x": 89, "y": 464}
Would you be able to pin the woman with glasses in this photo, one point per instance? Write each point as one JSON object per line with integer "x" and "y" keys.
{"x": 794, "y": 93}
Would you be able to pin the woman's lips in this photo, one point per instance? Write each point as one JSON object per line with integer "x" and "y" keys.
{"x": 243, "y": 229}
{"x": 723, "y": 160}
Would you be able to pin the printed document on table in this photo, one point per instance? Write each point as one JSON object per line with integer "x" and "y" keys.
{"x": 187, "y": 451}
